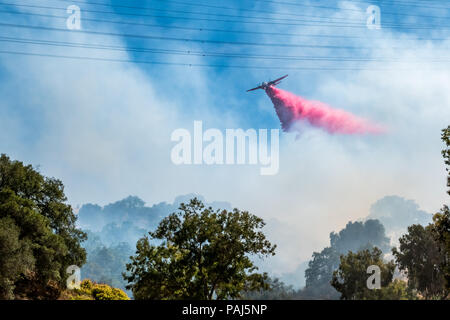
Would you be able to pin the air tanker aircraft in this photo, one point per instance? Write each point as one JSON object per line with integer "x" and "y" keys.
{"x": 266, "y": 85}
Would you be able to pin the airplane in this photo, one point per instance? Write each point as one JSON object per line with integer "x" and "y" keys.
{"x": 266, "y": 85}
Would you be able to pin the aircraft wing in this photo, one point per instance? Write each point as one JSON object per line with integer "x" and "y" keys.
{"x": 254, "y": 89}
{"x": 279, "y": 79}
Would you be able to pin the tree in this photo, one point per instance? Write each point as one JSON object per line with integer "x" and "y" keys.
{"x": 319, "y": 273}
{"x": 199, "y": 253}
{"x": 16, "y": 257}
{"x": 355, "y": 236}
{"x": 446, "y": 153}
{"x": 419, "y": 256}
{"x": 424, "y": 252}
{"x": 276, "y": 290}
{"x": 38, "y": 236}
{"x": 396, "y": 290}
{"x": 351, "y": 277}
{"x": 440, "y": 230}
{"x": 441, "y": 221}
{"x": 106, "y": 264}
{"x": 360, "y": 235}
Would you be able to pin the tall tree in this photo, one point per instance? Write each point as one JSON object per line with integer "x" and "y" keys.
{"x": 355, "y": 236}
{"x": 419, "y": 256}
{"x": 446, "y": 153}
{"x": 350, "y": 279}
{"x": 105, "y": 264}
{"x": 319, "y": 273}
{"x": 199, "y": 253}
{"x": 38, "y": 236}
{"x": 424, "y": 252}
{"x": 440, "y": 230}
{"x": 441, "y": 220}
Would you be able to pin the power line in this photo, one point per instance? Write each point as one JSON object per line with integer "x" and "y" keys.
{"x": 402, "y": 3}
{"x": 216, "y": 30}
{"x": 377, "y": 2}
{"x": 305, "y": 5}
{"x": 187, "y": 40}
{"x": 177, "y": 12}
{"x": 239, "y": 21}
{"x": 169, "y": 17}
{"x": 194, "y": 64}
{"x": 198, "y": 13}
{"x": 202, "y": 53}
{"x": 204, "y": 13}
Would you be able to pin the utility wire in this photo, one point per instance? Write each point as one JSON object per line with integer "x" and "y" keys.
{"x": 331, "y": 24}
{"x": 206, "y": 53}
{"x": 201, "y": 13}
{"x": 201, "y": 29}
{"x": 188, "y": 40}
{"x": 196, "y": 64}
{"x": 300, "y": 4}
{"x": 401, "y": 3}
{"x": 344, "y": 9}
{"x": 204, "y": 13}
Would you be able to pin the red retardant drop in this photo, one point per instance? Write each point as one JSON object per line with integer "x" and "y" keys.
{"x": 291, "y": 109}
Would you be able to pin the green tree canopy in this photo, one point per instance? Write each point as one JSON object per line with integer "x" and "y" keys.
{"x": 355, "y": 236}
{"x": 424, "y": 252}
{"x": 38, "y": 237}
{"x": 441, "y": 220}
{"x": 105, "y": 264}
{"x": 440, "y": 230}
{"x": 277, "y": 290}
{"x": 420, "y": 257}
{"x": 446, "y": 153}
{"x": 199, "y": 253}
{"x": 350, "y": 279}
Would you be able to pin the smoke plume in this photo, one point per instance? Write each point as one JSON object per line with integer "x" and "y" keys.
{"x": 291, "y": 109}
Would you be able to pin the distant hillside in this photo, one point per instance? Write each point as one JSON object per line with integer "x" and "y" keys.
{"x": 114, "y": 229}
{"x": 396, "y": 214}
{"x": 129, "y": 219}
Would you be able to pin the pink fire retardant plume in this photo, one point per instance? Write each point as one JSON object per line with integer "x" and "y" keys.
{"x": 291, "y": 108}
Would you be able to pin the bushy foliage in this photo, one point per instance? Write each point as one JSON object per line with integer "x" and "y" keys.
{"x": 420, "y": 258}
{"x": 440, "y": 230}
{"x": 441, "y": 220}
{"x": 16, "y": 257}
{"x": 38, "y": 236}
{"x": 199, "y": 253}
{"x": 424, "y": 252}
{"x": 105, "y": 264}
{"x": 396, "y": 290}
{"x": 355, "y": 236}
{"x": 94, "y": 291}
{"x": 275, "y": 290}
{"x": 350, "y": 279}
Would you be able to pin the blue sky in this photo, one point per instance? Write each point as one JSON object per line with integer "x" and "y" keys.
{"x": 104, "y": 127}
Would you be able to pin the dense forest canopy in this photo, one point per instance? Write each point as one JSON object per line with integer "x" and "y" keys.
{"x": 201, "y": 253}
{"x": 195, "y": 250}
{"x": 38, "y": 236}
